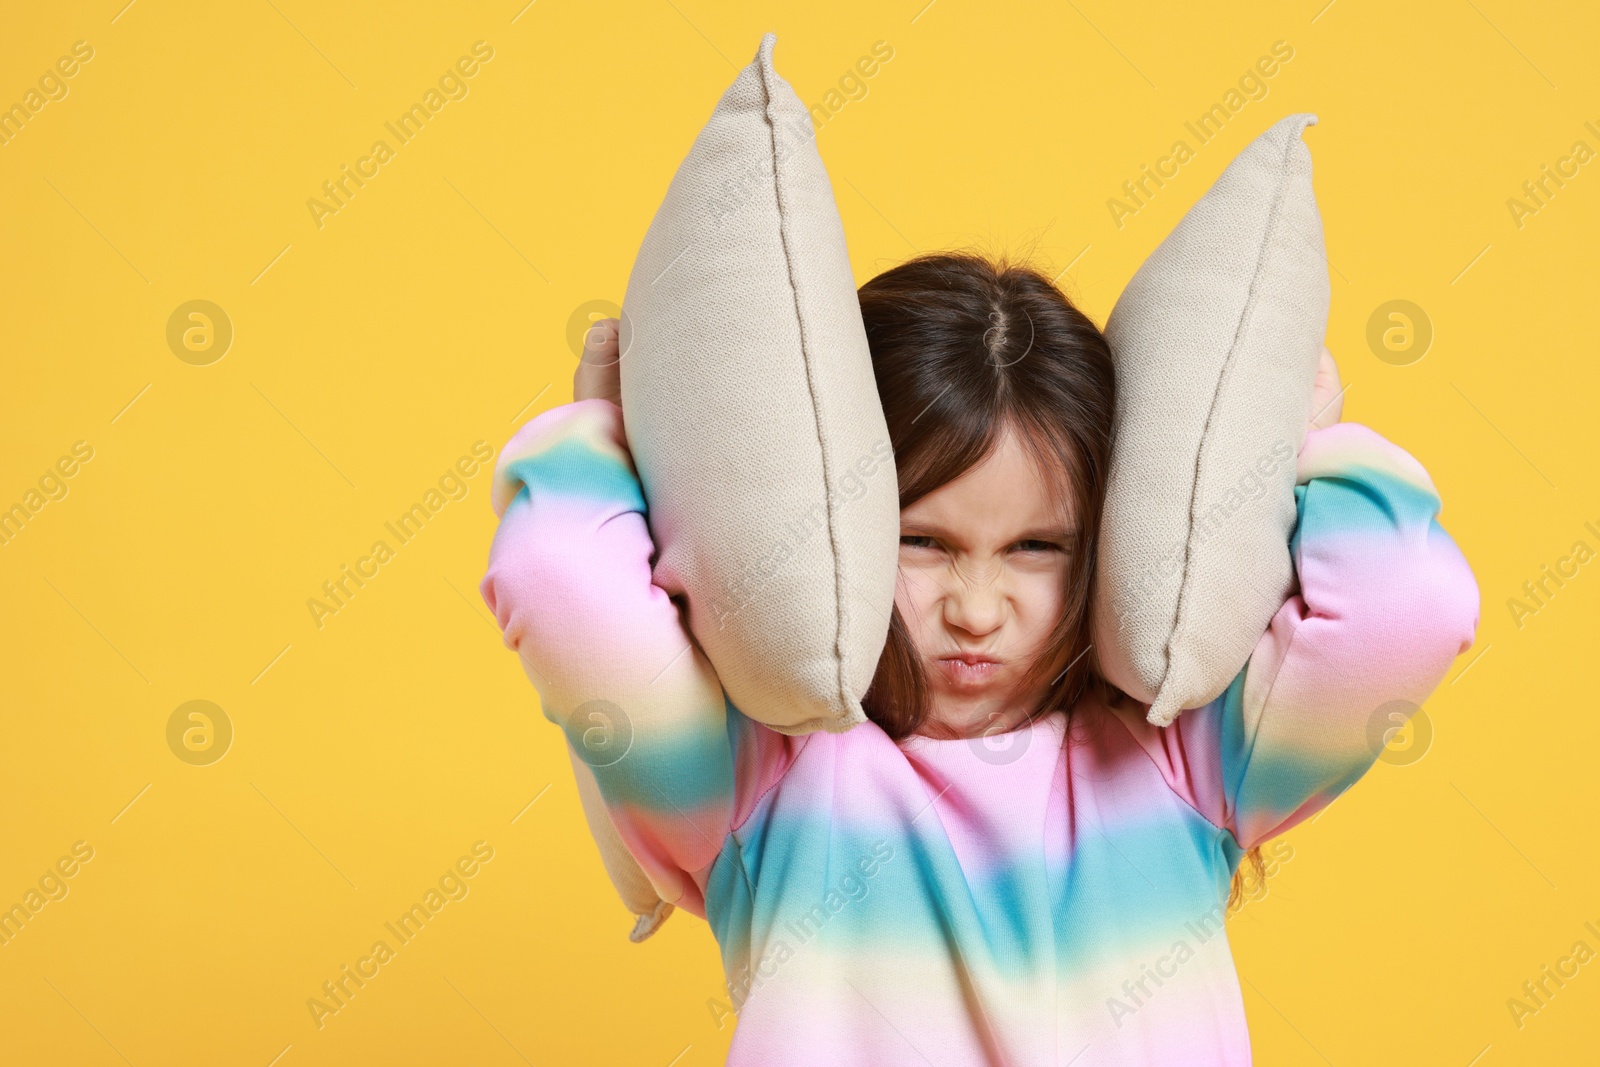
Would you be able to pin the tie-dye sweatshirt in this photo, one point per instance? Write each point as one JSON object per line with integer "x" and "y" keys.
{"x": 1054, "y": 896}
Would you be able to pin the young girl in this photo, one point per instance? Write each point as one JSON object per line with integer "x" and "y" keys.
{"x": 1007, "y": 864}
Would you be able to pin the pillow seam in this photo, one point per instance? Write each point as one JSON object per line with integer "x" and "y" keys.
{"x": 1251, "y": 299}
{"x": 778, "y": 186}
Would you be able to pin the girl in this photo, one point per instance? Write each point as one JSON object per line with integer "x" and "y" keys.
{"x": 1007, "y": 864}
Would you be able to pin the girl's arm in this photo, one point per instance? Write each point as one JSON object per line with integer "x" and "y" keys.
{"x": 569, "y": 581}
{"x": 1385, "y": 604}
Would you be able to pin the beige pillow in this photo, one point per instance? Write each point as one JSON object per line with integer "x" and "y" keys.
{"x": 632, "y": 884}
{"x": 753, "y": 416}
{"x": 1216, "y": 341}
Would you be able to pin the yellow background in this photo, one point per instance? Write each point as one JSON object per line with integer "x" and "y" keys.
{"x": 432, "y": 312}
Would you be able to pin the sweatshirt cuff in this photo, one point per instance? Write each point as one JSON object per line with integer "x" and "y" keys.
{"x": 1334, "y": 450}
{"x": 595, "y": 423}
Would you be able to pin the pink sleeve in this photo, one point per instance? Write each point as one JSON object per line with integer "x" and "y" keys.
{"x": 1385, "y": 604}
{"x": 569, "y": 581}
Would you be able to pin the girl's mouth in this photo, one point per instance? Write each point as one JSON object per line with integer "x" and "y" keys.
{"x": 967, "y": 671}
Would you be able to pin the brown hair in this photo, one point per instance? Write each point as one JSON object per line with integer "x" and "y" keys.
{"x": 964, "y": 347}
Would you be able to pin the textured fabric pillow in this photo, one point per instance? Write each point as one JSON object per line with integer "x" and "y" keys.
{"x": 632, "y": 884}
{"x": 1216, "y": 342}
{"x": 753, "y": 416}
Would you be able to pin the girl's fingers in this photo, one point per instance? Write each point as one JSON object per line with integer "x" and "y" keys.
{"x": 600, "y": 344}
{"x": 598, "y": 372}
{"x": 1327, "y": 399}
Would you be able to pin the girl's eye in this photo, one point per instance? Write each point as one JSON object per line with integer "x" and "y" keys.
{"x": 1037, "y": 546}
{"x": 1030, "y": 545}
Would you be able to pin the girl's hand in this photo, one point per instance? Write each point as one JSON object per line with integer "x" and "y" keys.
{"x": 1327, "y": 396}
{"x": 599, "y": 371}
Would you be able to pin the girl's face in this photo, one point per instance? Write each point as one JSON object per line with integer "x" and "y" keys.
{"x": 982, "y": 583}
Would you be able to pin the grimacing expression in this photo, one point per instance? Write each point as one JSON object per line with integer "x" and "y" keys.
{"x": 982, "y": 572}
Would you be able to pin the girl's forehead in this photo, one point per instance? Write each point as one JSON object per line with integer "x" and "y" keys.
{"x": 1004, "y": 496}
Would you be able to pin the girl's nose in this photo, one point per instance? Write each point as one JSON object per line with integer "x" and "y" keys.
{"x": 976, "y": 603}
